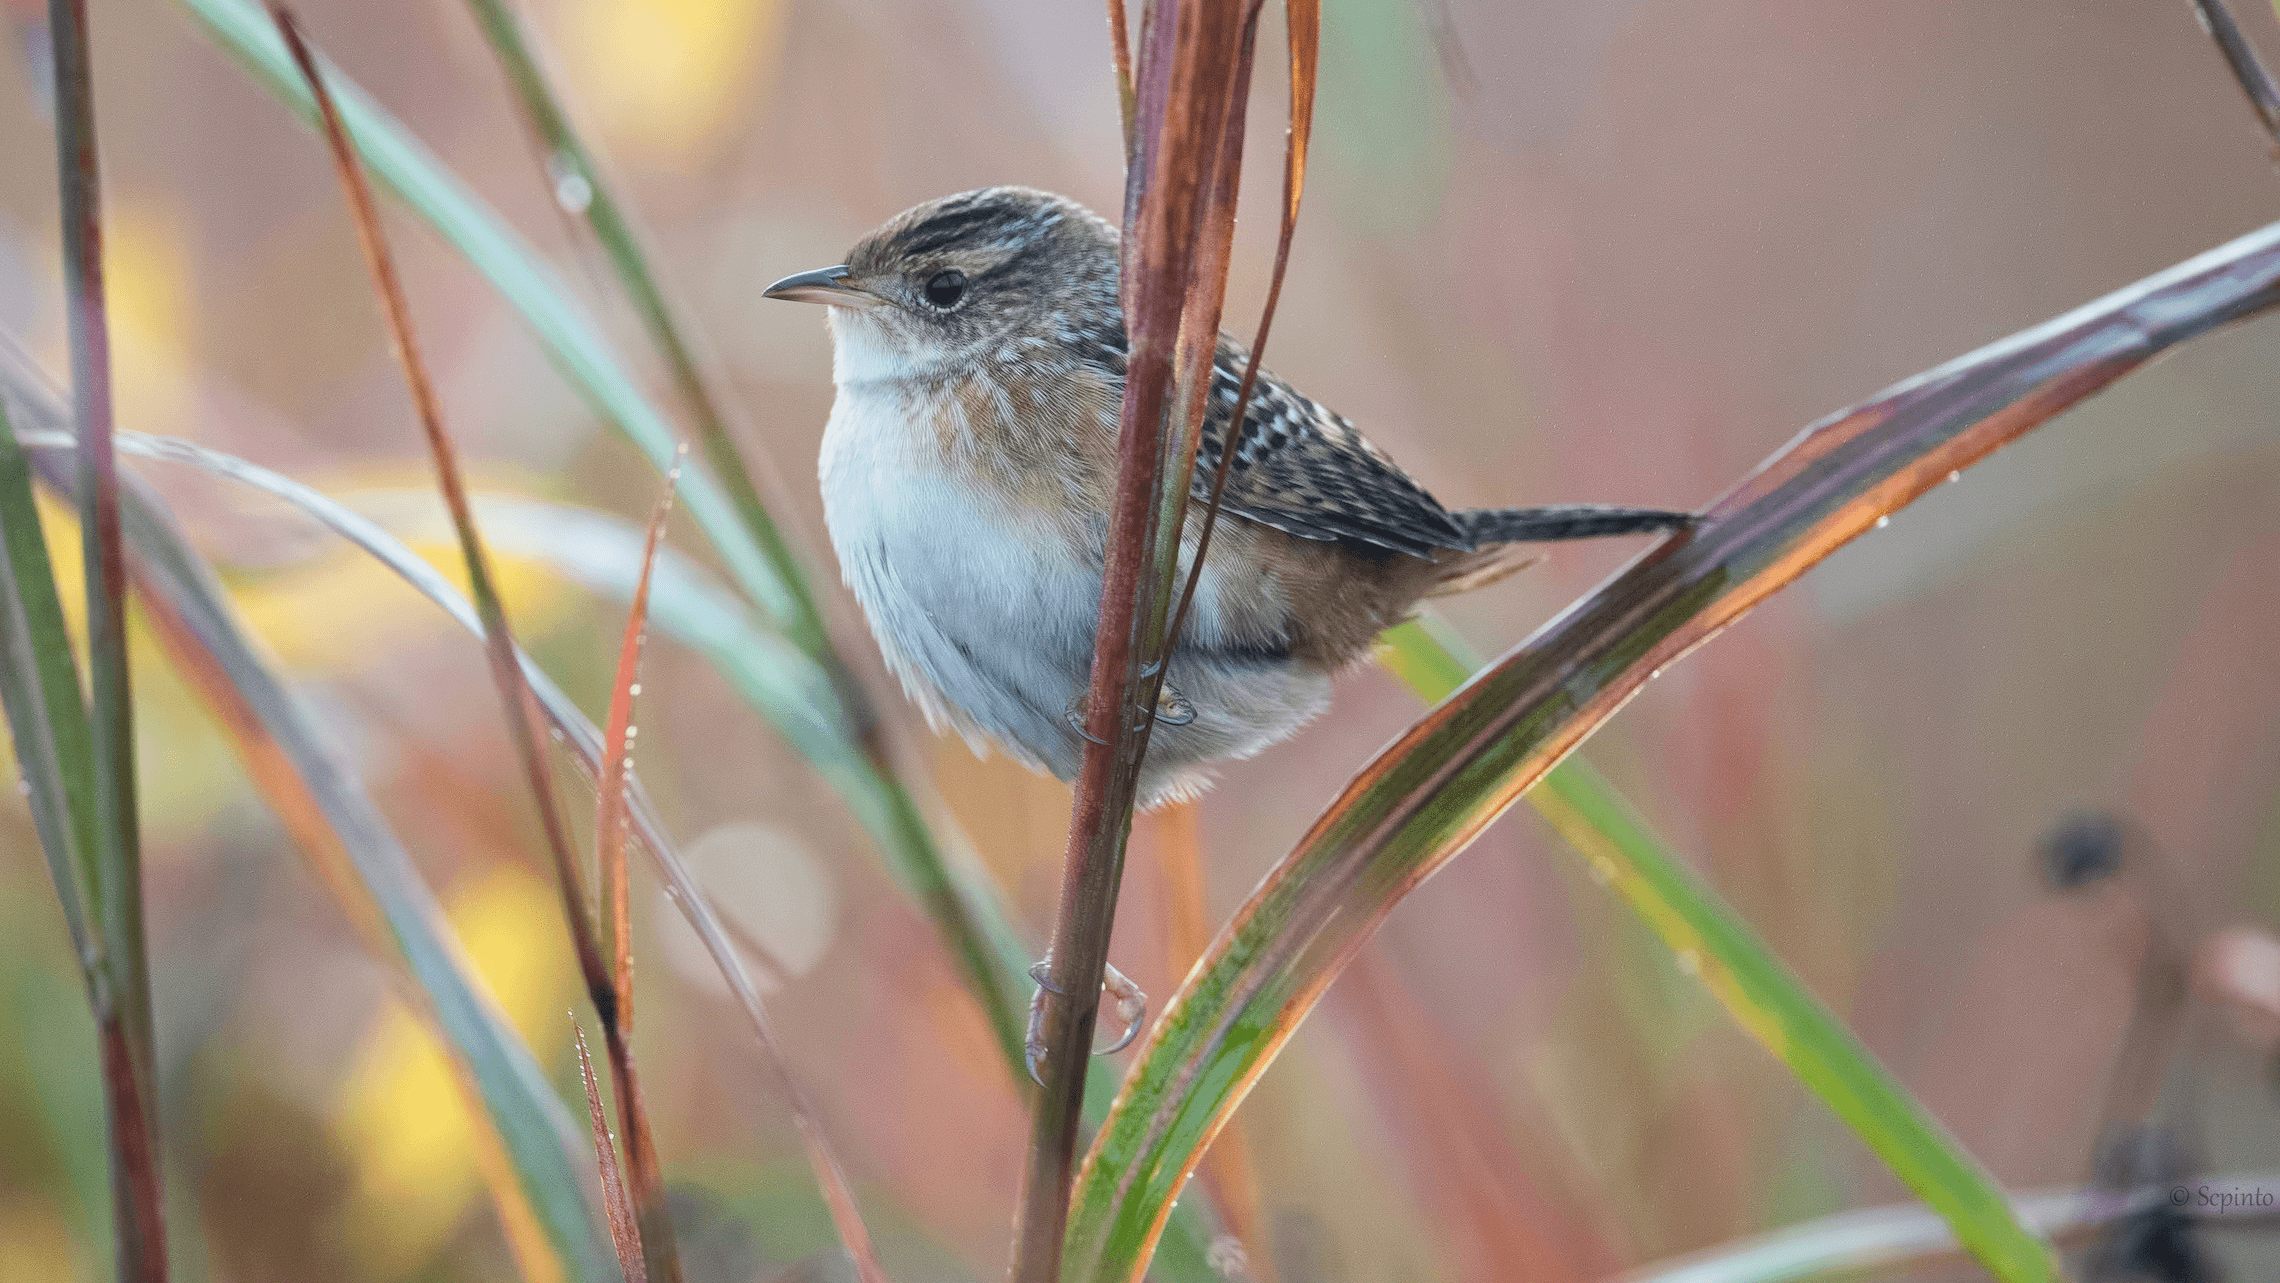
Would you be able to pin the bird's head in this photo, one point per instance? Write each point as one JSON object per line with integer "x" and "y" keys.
{"x": 971, "y": 277}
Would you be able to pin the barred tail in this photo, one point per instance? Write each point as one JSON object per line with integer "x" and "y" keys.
{"x": 1499, "y": 536}
{"x": 1555, "y": 522}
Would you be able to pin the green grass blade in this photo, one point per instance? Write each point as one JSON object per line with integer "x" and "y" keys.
{"x": 1713, "y": 944}
{"x": 1879, "y": 1241}
{"x": 1427, "y": 795}
{"x": 686, "y": 603}
{"x": 530, "y": 1121}
{"x": 191, "y": 613}
{"x": 961, "y": 907}
{"x": 47, "y": 714}
{"x": 571, "y": 167}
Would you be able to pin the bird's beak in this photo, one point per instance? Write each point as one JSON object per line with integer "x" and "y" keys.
{"x": 826, "y": 285}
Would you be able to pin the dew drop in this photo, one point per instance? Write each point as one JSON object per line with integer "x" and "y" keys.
{"x": 631, "y": 733}
{"x": 1653, "y": 673}
{"x": 634, "y": 689}
{"x": 572, "y": 191}
{"x": 1882, "y": 522}
{"x": 1955, "y": 476}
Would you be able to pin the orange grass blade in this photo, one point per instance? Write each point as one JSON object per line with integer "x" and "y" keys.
{"x": 625, "y": 1233}
{"x": 648, "y": 1178}
{"x": 1431, "y": 792}
{"x": 506, "y": 660}
{"x": 617, "y": 766}
{"x": 498, "y": 639}
{"x": 1176, "y": 833}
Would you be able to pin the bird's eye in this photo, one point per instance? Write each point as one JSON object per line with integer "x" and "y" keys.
{"x": 944, "y": 289}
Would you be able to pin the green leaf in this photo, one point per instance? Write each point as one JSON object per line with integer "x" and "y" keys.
{"x": 47, "y": 715}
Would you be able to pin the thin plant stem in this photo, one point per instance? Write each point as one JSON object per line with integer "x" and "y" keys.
{"x": 572, "y": 169}
{"x": 2247, "y": 69}
{"x": 114, "y": 872}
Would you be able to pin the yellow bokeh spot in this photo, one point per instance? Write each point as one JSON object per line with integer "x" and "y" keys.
{"x": 150, "y": 290}
{"x": 665, "y": 77}
{"x": 402, "y": 1117}
{"x": 35, "y": 1245}
{"x": 334, "y": 614}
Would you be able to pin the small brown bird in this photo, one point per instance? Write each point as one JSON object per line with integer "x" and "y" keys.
{"x": 979, "y": 354}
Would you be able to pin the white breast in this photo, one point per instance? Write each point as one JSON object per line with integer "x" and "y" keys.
{"x": 983, "y": 610}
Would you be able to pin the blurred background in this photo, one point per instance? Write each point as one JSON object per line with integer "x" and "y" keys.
{"x": 1604, "y": 250}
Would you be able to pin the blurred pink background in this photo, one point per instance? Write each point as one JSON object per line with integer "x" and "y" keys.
{"x": 1612, "y": 251}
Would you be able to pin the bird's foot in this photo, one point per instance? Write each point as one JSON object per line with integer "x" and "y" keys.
{"x": 1131, "y": 1007}
{"x": 1172, "y": 709}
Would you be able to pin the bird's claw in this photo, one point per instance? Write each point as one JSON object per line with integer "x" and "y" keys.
{"x": 1172, "y": 709}
{"x": 1131, "y": 1006}
{"x": 1076, "y": 714}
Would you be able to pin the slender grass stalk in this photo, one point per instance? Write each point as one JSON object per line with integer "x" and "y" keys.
{"x": 498, "y": 637}
{"x": 506, "y": 669}
{"x": 956, "y": 896}
{"x": 515, "y": 695}
{"x": 1179, "y": 218}
{"x": 122, "y": 1003}
{"x": 1120, "y": 51}
{"x": 1303, "y": 18}
{"x": 2247, "y": 70}
{"x": 571, "y": 166}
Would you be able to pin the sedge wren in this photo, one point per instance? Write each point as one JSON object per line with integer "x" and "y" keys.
{"x": 978, "y": 349}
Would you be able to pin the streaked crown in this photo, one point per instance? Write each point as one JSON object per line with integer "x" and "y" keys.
{"x": 1001, "y": 273}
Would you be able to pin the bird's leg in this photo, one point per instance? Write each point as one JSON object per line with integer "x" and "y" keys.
{"x": 1131, "y": 1006}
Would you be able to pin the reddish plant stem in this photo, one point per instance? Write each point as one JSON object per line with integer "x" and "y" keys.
{"x": 1191, "y": 70}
